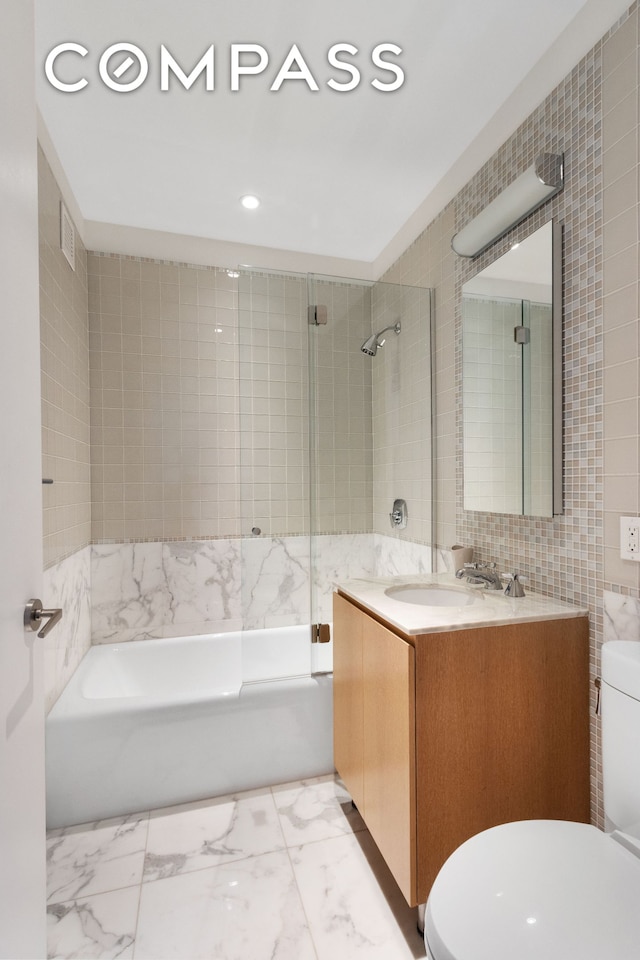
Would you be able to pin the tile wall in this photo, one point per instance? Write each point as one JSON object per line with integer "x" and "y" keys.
{"x": 429, "y": 263}
{"x": 64, "y": 351}
{"x": 164, "y": 400}
{"x": 621, "y": 428}
{"x": 65, "y": 381}
{"x": 276, "y": 393}
{"x": 342, "y": 426}
{"x": 199, "y": 403}
{"x": 273, "y": 404}
{"x": 402, "y": 411}
{"x": 621, "y": 341}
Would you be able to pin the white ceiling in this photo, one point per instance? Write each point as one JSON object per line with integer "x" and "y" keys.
{"x": 338, "y": 173}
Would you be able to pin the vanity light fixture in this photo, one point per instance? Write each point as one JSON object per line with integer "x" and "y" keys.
{"x": 249, "y": 202}
{"x": 541, "y": 181}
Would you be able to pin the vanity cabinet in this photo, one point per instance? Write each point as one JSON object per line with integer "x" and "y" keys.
{"x": 438, "y": 736}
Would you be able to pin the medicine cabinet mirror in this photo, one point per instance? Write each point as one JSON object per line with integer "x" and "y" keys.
{"x": 512, "y": 380}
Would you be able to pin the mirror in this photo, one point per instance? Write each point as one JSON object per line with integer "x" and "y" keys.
{"x": 512, "y": 380}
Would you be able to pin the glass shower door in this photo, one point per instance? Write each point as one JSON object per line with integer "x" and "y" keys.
{"x": 329, "y": 436}
{"x": 273, "y": 437}
{"x": 370, "y": 432}
{"x": 340, "y": 447}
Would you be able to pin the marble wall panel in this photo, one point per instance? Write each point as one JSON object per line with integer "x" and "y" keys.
{"x": 202, "y": 579}
{"x": 275, "y": 581}
{"x": 621, "y": 616}
{"x": 178, "y": 588}
{"x": 396, "y": 557}
{"x": 129, "y": 594}
{"x": 67, "y": 584}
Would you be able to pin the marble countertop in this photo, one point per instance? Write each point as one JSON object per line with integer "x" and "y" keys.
{"x": 489, "y": 607}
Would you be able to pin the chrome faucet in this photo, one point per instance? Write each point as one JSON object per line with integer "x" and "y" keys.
{"x": 483, "y": 573}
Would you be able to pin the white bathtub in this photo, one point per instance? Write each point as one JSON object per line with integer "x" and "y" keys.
{"x": 150, "y": 723}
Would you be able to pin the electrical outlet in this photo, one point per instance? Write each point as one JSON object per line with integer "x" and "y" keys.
{"x": 630, "y": 538}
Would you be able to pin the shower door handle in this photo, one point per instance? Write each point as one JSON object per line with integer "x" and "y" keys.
{"x": 34, "y": 613}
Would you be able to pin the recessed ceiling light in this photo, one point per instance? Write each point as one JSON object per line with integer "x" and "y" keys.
{"x": 249, "y": 202}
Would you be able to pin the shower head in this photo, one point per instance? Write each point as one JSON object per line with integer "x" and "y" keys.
{"x": 370, "y": 346}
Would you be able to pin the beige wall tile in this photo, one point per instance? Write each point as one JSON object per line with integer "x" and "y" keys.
{"x": 623, "y": 78}
{"x": 621, "y": 44}
{"x": 621, "y": 381}
{"x": 621, "y": 346}
{"x": 621, "y": 157}
{"x": 620, "y": 195}
{"x": 620, "y": 120}
{"x": 619, "y": 268}
{"x": 622, "y": 232}
{"x": 64, "y": 328}
{"x": 620, "y": 307}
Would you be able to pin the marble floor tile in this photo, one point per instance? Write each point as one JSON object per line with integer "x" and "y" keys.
{"x": 354, "y": 909}
{"x": 315, "y": 809}
{"x": 95, "y": 857}
{"x": 194, "y": 836}
{"x": 245, "y": 910}
{"x": 100, "y": 926}
{"x": 219, "y": 883}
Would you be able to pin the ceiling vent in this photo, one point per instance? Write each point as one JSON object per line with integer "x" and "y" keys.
{"x": 67, "y": 236}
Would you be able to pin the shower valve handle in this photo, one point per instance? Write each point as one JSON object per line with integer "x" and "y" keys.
{"x": 34, "y": 614}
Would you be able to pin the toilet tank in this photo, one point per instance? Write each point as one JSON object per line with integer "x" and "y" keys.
{"x": 621, "y": 735}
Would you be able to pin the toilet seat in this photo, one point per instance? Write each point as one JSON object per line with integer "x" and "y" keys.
{"x": 536, "y": 890}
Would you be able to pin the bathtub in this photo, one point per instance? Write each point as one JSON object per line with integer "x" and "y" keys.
{"x": 151, "y": 723}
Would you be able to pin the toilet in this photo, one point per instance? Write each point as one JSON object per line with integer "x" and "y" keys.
{"x": 553, "y": 889}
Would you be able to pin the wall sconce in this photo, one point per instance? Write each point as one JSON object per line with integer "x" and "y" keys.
{"x": 541, "y": 181}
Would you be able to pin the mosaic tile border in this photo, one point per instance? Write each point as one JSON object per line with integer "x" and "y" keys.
{"x": 560, "y": 556}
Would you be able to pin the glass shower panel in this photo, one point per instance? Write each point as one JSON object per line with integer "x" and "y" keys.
{"x": 341, "y": 447}
{"x": 273, "y": 455}
{"x": 329, "y": 437}
{"x": 370, "y": 436}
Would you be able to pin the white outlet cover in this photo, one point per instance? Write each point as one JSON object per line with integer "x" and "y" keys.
{"x": 630, "y": 538}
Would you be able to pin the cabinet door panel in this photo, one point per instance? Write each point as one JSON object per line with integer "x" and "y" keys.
{"x": 502, "y": 719}
{"x": 389, "y": 750}
{"x": 348, "y": 717}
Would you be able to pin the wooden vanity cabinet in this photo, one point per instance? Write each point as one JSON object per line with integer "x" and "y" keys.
{"x": 442, "y": 735}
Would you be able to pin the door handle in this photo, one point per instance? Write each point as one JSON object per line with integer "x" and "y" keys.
{"x": 34, "y": 614}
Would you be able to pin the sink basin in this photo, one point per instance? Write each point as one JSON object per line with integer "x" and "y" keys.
{"x": 431, "y": 595}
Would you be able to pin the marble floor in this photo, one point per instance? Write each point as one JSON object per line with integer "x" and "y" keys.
{"x": 286, "y": 873}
